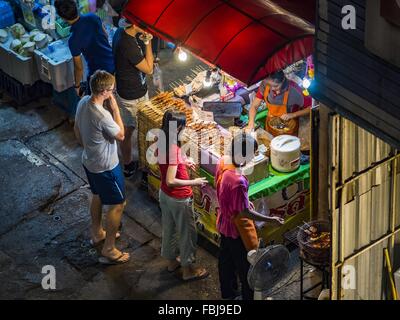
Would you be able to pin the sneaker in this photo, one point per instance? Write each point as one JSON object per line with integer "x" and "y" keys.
{"x": 130, "y": 169}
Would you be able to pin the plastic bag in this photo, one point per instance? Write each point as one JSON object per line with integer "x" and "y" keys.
{"x": 157, "y": 77}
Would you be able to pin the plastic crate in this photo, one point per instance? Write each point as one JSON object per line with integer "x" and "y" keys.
{"x": 6, "y": 15}
{"x": 66, "y": 100}
{"x": 55, "y": 65}
{"x": 23, "y": 94}
{"x": 5, "y": 63}
{"x": 23, "y": 69}
{"x": 62, "y": 31}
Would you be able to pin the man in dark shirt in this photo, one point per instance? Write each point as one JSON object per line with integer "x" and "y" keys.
{"x": 131, "y": 67}
{"x": 88, "y": 37}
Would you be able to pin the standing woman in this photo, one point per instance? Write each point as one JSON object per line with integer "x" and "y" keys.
{"x": 179, "y": 236}
{"x": 234, "y": 206}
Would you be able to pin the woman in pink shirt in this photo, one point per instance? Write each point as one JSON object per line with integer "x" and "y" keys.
{"x": 232, "y": 193}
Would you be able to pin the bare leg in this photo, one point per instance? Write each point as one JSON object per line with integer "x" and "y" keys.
{"x": 97, "y": 230}
{"x": 126, "y": 146}
{"x": 112, "y": 223}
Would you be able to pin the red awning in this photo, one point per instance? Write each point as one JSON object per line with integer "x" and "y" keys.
{"x": 248, "y": 39}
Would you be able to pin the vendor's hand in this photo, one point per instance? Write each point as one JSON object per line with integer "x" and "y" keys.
{"x": 200, "y": 182}
{"x": 278, "y": 220}
{"x": 249, "y": 128}
{"x": 287, "y": 116}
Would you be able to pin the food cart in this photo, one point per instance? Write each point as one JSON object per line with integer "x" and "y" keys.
{"x": 251, "y": 48}
{"x": 272, "y": 192}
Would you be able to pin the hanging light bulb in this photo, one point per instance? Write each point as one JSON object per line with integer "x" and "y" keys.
{"x": 182, "y": 55}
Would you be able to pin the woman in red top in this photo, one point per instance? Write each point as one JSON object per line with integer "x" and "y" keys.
{"x": 176, "y": 200}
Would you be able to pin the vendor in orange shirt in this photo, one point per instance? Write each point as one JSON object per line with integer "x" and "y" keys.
{"x": 283, "y": 98}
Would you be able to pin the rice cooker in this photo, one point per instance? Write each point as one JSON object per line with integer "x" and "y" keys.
{"x": 285, "y": 153}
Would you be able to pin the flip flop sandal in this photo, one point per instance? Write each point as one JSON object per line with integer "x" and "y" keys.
{"x": 197, "y": 277}
{"x": 174, "y": 269}
{"x": 95, "y": 244}
{"x": 109, "y": 261}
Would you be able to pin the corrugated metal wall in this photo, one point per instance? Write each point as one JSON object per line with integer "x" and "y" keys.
{"x": 364, "y": 207}
{"x": 350, "y": 79}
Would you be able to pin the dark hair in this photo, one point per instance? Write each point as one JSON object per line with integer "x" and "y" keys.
{"x": 277, "y": 77}
{"x": 66, "y": 9}
{"x": 239, "y": 147}
{"x": 180, "y": 119}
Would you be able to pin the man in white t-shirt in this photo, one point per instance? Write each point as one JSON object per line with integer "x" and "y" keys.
{"x": 98, "y": 125}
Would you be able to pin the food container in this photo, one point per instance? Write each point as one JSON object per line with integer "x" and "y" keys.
{"x": 33, "y": 33}
{"x": 285, "y": 153}
{"x": 25, "y": 38}
{"x": 17, "y": 30}
{"x": 257, "y": 169}
{"x": 276, "y": 126}
{"x": 29, "y": 47}
{"x": 3, "y": 35}
{"x": 40, "y": 40}
{"x": 15, "y": 45}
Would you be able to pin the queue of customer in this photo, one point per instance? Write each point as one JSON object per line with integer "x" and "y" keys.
{"x": 107, "y": 115}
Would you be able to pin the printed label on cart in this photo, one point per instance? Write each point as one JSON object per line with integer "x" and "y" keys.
{"x": 292, "y": 207}
{"x": 206, "y": 115}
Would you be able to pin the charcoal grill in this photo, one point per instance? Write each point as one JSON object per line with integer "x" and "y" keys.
{"x": 317, "y": 256}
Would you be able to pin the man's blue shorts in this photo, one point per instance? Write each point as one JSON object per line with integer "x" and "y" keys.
{"x": 108, "y": 185}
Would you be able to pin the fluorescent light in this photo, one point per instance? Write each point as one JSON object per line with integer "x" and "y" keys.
{"x": 306, "y": 83}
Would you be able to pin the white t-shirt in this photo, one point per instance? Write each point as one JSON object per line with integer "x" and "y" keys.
{"x": 98, "y": 130}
